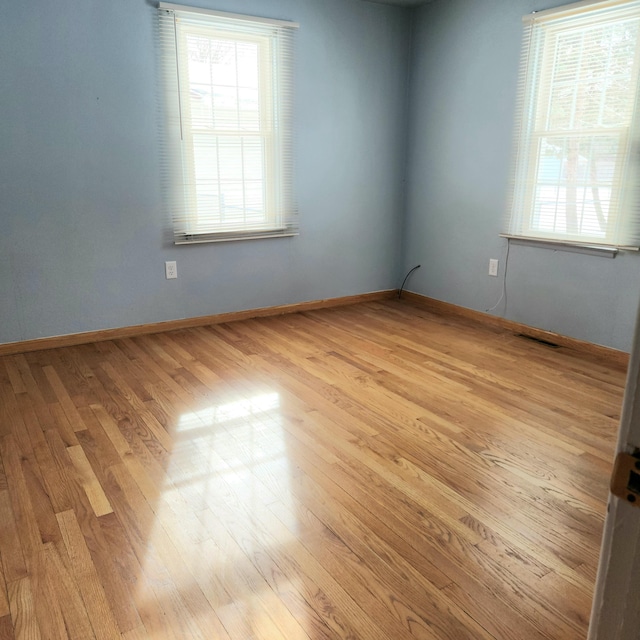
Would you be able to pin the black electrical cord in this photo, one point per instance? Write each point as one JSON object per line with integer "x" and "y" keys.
{"x": 405, "y": 279}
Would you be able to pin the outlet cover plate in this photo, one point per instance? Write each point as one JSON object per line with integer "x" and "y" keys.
{"x": 170, "y": 269}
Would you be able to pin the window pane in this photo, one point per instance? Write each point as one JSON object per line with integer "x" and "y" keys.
{"x": 574, "y": 178}
{"x": 591, "y": 76}
{"x": 247, "y": 60}
{"x": 230, "y": 179}
{"x": 223, "y": 83}
{"x": 225, "y": 106}
{"x": 231, "y": 124}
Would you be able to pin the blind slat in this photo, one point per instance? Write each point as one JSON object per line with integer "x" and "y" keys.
{"x": 574, "y": 175}
{"x": 168, "y": 6}
{"x": 228, "y": 92}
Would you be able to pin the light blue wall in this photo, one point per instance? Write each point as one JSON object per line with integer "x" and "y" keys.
{"x": 464, "y": 69}
{"x": 83, "y": 240}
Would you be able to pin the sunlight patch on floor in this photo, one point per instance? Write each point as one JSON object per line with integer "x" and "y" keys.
{"x": 227, "y": 476}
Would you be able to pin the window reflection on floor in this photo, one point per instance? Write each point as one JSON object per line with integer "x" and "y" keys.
{"x": 229, "y": 412}
{"x": 226, "y": 507}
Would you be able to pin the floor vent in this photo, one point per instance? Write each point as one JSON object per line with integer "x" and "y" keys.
{"x": 546, "y": 343}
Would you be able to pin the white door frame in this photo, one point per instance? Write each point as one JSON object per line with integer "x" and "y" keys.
{"x": 615, "y": 614}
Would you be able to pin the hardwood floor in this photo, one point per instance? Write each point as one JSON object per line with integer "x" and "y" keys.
{"x": 366, "y": 472}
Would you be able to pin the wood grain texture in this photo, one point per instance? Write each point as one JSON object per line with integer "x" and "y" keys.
{"x": 23, "y": 613}
{"x": 90, "y": 484}
{"x": 449, "y": 309}
{"x": 382, "y": 470}
{"x": 72, "y": 339}
{"x": 6, "y": 628}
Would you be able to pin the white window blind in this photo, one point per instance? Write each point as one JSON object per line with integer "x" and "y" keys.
{"x": 228, "y": 81}
{"x": 575, "y": 170}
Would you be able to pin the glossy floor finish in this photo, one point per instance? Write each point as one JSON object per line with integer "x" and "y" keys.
{"x": 370, "y": 472}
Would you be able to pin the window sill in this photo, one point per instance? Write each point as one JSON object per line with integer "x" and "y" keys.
{"x": 233, "y": 237}
{"x": 602, "y": 251}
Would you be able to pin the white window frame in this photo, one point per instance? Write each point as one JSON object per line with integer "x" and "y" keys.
{"x": 193, "y": 220}
{"x": 539, "y": 49}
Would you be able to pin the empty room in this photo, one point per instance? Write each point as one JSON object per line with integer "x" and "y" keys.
{"x": 317, "y": 320}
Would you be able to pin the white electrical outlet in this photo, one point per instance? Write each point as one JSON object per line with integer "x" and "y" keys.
{"x": 493, "y": 267}
{"x": 170, "y": 269}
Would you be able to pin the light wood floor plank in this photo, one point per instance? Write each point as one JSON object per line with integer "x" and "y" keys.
{"x": 62, "y": 583}
{"x": 90, "y": 484}
{"x": 84, "y": 570}
{"x": 4, "y": 599}
{"x": 25, "y": 624}
{"x": 13, "y": 563}
{"x": 6, "y": 628}
{"x": 376, "y": 471}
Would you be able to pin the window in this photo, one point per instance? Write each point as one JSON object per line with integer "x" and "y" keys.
{"x": 228, "y": 101}
{"x": 574, "y": 179}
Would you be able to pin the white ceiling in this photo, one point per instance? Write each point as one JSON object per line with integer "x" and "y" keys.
{"x": 403, "y": 3}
